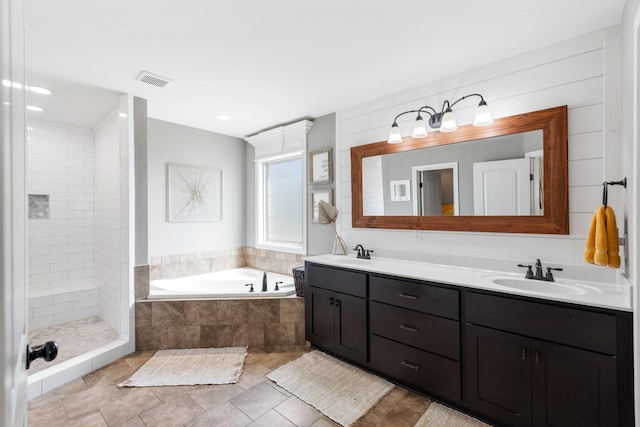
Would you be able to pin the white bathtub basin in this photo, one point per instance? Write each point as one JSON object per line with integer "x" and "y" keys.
{"x": 223, "y": 284}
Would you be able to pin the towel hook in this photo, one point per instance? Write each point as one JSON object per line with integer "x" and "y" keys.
{"x": 605, "y": 191}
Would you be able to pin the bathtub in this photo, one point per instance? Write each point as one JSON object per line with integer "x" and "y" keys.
{"x": 222, "y": 284}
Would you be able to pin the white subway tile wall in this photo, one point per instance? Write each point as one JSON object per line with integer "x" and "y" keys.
{"x": 61, "y": 248}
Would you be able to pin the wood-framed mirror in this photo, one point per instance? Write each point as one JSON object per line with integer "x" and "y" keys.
{"x": 536, "y": 198}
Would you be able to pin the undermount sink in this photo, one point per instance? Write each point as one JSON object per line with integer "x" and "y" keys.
{"x": 564, "y": 288}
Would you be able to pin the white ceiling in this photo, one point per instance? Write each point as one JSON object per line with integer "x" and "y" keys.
{"x": 266, "y": 63}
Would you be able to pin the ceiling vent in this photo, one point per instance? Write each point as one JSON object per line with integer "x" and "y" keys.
{"x": 153, "y": 79}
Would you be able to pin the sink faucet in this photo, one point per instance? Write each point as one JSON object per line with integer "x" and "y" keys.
{"x": 538, "y": 274}
{"x": 362, "y": 252}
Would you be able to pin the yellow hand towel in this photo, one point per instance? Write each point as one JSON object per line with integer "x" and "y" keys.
{"x": 602, "y": 247}
{"x": 613, "y": 247}
{"x": 601, "y": 256}
{"x": 590, "y": 246}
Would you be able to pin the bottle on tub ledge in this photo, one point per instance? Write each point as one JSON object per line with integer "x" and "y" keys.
{"x": 264, "y": 281}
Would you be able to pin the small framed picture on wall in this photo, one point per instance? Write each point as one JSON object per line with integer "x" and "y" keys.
{"x": 320, "y": 167}
{"x": 316, "y": 197}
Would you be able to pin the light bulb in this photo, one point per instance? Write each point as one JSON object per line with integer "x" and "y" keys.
{"x": 395, "y": 134}
{"x": 448, "y": 122}
{"x": 483, "y": 115}
{"x": 419, "y": 128}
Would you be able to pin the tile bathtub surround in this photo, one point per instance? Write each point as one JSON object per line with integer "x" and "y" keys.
{"x": 96, "y": 400}
{"x": 141, "y": 281}
{"x": 278, "y": 262}
{"x": 181, "y": 265}
{"x": 262, "y": 323}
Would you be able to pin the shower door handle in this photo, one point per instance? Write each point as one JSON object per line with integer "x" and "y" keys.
{"x": 48, "y": 351}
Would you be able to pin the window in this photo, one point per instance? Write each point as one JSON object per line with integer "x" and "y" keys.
{"x": 281, "y": 208}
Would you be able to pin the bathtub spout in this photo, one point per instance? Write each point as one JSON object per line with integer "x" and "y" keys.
{"x": 264, "y": 281}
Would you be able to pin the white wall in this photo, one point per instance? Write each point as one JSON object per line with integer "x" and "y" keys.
{"x": 60, "y": 164}
{"x": 320, "y": 237}
{"x": 629, "y": 108}
{"x": 107, "y": 219}
{"x": 581, "y": 73}
{"x": 172, "y": 143}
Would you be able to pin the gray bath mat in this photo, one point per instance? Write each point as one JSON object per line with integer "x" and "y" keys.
{"x": 438, "y": 415}
{"x": 342, "y": 392}
{"x": 192, "y": 366}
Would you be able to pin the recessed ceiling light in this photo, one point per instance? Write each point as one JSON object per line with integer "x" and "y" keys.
{"x": 34, "y": 108}
{"x": 9, "y": 83}
{"x": 122, "y": 115}
{"x": 40, "y": 90}
{"x": 223, "y": 117}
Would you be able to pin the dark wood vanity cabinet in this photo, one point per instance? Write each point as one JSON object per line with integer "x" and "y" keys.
{"x": 336, "y": 311}
{"x": 415, "y": 335}
{"x": 536, "y": 364}
{"x": 509, "y": 360}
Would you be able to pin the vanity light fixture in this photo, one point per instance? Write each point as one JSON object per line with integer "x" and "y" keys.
{"x": 444, "y": 121}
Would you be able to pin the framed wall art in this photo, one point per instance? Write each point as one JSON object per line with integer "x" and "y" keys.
{"x": 316, "y": 196}
{"x": 194, "y": 193}
{"x": 320, "y": 167}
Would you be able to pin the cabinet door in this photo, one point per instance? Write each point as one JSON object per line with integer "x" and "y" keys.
{"x": 319, "y": 317}
{"x": 351, "y": 327}
{"x": 498, "y": 375}
{"x": 573, "y": 387}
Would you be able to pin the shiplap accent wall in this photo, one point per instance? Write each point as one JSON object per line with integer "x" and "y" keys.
{"x": 581, "y": 73}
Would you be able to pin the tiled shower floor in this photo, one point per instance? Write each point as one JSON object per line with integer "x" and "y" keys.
{"x": 73, "y": 338}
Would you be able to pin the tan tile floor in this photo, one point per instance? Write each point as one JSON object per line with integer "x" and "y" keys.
{"x": 95, "y": 400}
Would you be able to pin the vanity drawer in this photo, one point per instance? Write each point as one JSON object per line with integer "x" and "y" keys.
{"x": 415, "y": 296}
{"x": 570, "y": 326}
{"x": 425, "y": 371}
{"x": 435, "y": 334}
{"x": 333, "y": 279}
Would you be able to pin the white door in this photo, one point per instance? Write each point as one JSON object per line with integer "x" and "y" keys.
{"x": 502, "y": 187}
{"x": 13, "y": 304}
{"x": 431, "y": 193}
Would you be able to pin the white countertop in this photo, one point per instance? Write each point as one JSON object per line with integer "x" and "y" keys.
{"x": 594, "y": 294}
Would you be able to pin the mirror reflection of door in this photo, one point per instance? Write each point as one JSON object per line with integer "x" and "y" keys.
{"x": 502, "y": 187}
{"x": 435, "y": 189}
{"x": 430, "y": 193}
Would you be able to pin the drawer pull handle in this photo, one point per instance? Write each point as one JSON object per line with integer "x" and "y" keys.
{"x": 330, "y": 301}
{"x": 524, "y": 353}
{"x": 408, "y": 296}
{"x": 409, "y": 328}
{"x": 410, "y": 365}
